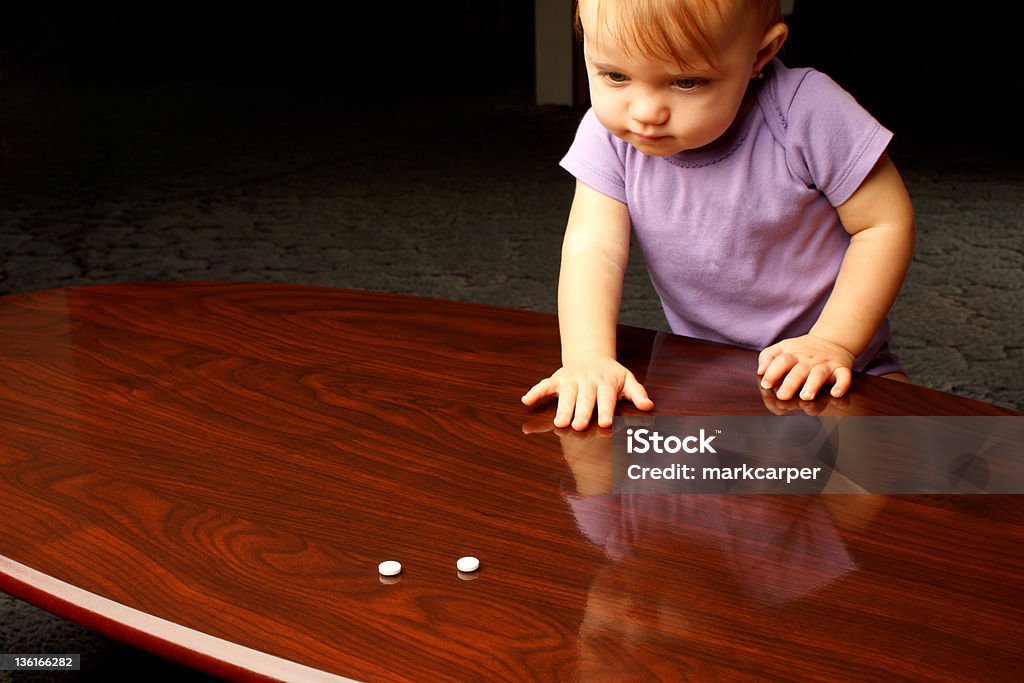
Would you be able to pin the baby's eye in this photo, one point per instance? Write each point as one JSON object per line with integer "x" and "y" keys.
{"x": 615, "y": 76}
{"x": 687, "y": 83}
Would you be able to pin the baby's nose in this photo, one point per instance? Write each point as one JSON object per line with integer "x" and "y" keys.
{"x": 650, "y": 111}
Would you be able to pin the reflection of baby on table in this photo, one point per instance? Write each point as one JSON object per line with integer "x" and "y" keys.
{"x": 689, "y": 570}
{"x": 772, "y": 557}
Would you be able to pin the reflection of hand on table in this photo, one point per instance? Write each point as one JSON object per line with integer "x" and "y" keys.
{"x": 823, "y": 405}
{"x": 588, "y": 454}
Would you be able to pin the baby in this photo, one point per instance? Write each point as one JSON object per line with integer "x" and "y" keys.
{"x": 767, "y": 211}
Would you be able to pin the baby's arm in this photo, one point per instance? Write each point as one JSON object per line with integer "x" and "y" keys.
{"x": 880, "y": 218}
{"x": 594, "y": 256}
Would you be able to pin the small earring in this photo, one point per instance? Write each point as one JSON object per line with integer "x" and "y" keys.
{"x": 758, "y": 75}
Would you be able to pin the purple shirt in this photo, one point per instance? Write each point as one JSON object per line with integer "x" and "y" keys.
{"x": 742, "y": 238}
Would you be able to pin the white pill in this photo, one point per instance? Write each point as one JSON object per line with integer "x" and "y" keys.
{"x": 389, "y": 568}
{"x": 468, "y": 564}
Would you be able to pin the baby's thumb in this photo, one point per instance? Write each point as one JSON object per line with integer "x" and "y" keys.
{"x": 635, "y": 392}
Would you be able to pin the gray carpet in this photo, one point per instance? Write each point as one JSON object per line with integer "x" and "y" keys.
{"x": 458, "y": 198}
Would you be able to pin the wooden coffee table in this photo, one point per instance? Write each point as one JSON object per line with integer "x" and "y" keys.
{"x": 213, "y": 471}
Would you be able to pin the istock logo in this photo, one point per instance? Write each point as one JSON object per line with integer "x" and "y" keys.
{"x": 641, "y": 441}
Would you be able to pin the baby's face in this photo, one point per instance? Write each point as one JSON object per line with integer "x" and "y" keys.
{"x": 659, "y": 107}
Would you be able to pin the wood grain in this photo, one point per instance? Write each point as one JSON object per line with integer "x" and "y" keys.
{"x": 236, "y": 459}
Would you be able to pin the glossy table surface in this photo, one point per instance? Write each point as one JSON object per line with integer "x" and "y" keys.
{"x": 213, "y": 471}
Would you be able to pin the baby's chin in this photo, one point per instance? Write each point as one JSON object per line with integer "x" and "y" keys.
{"x": 656, "y": 150}
{"x": 663, "y": 147}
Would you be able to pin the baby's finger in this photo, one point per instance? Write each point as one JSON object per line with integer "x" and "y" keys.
{"x": 566, "y": 404}
{"x": 633, "y": 391}
{"x": 545, "y": 387}
{"x": 778, "y": 368}
{"x": 585, "y": 400}
{"x": 607, "y": 399}
{"x": 795, "y": 379}
{"x": 816, "y": 379}
{"x": 843, "y": 377}
{"x": 765, "y": 358}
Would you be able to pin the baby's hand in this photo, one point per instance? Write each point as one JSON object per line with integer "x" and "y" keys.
{"x": 590, "y": 380}
{"x": 809, "y": 362}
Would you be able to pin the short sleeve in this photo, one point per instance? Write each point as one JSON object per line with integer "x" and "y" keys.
{"x": 596, "y": 159}
{"x": 832, "y": 142}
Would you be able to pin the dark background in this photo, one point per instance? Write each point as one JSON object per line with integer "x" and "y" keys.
{"x": 413, "y": 45}
{"x": 915, "y": 64}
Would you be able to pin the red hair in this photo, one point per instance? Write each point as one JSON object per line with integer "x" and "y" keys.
{"x": 676, "y": 30}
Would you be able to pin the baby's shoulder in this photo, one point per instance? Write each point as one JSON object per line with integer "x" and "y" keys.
{"x": 828, "y": 137}
{"x": 797, "y": 93}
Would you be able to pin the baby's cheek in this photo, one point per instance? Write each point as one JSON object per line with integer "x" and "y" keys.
{"x": 607, "y": 118}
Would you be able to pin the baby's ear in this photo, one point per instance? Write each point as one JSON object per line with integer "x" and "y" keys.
{"x": 771, "y": 42}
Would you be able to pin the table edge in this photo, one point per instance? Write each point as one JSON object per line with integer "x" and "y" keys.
{"x": 154, "y": 634}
